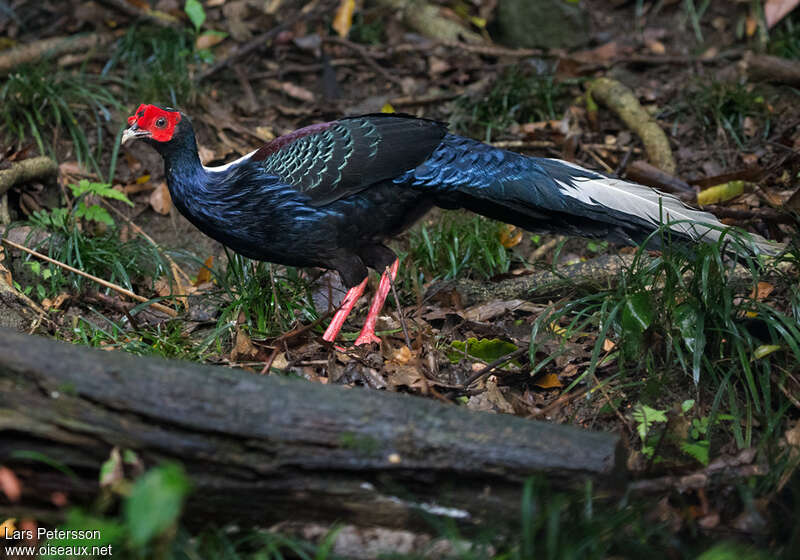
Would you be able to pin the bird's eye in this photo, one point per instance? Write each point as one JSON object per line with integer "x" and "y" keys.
{"x": 161, "y": 122}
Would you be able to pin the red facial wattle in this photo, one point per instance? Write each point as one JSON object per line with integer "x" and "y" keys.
{"x": 158, "y": 122}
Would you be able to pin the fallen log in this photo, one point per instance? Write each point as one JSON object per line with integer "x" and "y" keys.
{"x": 266, "y": 449}
{"x": 599, "y": 273}
{"x": 26, "y": 170}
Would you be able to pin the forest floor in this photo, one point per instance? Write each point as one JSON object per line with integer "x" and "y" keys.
{"x": 692, "y": 359}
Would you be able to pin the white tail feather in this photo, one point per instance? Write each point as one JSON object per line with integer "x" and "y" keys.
{"x": 650, "y": 204}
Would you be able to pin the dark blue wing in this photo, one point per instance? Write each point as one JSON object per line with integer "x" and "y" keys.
{"x": 333, "y": 160}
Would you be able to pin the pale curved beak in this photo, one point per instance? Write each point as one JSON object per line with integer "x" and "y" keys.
{"x": 133, "y": 133}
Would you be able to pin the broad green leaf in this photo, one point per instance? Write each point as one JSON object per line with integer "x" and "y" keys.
{"x": 484, "y": 349}
{"x": 197, "y": 15}
{"x": 637, "y": 314}
{"x": 155, "y": 502}
{"x": 116, "y": 195}
{"x": 765, "y": 350}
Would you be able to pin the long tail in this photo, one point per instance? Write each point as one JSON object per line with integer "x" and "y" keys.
{"x": 541, "y": 194}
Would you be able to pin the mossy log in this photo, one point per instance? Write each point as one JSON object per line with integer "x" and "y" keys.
{"x": 26, "y": 170}
{"x": 620, "y": 99}
{"x": 597, "y": 274}
{"x": 265, "y": 449}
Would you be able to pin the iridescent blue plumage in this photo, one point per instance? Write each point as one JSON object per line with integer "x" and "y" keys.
{"x": 330, "y": 195}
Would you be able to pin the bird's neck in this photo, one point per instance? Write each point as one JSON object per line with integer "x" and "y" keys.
{"x": 186, "y": 177}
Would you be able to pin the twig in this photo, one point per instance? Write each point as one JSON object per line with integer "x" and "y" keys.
{"x": 155, "y": 16}
{"x": 51, "y": 47}
{"x": 545, "y": 247}
{"x": 484, "y": 49}
{"x": 362, "y": 52}
{"x": 408, "y": 100}
{"x": 558, "y": 402}
{"x": 642, "y": 172}
{"x": 250, "y": 46}
{"x": 291, "y": 334}
{"x": 114, "y": 304}
{"x": 400, "y": 312}
{"x": 758, "y": 213}
{"x": 599, "y": 160}
{"x": 497, "y": 363}
{"x": 285, "y": 69}
{"x": 174, "y": 268}
{"x": 107, "y": 284}
{"x": 427, "y": 19}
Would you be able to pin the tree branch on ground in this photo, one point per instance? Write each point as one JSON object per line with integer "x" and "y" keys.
{"x": 620, "y": 99}
{"x": 55, "y": 46}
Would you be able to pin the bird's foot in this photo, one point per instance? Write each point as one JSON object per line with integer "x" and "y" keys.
{"x": 367, "y": 337}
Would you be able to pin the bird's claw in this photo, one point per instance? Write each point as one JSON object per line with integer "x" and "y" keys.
{"x": 367, "y": 338}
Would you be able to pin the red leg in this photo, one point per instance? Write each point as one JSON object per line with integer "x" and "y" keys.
{"x": 368, "y": 331}
{"x": 348, "y": 303}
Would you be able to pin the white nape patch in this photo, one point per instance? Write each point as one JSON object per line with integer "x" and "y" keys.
{"x": 229, "y": 164}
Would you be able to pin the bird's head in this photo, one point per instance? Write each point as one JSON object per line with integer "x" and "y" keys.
{"x": 158, "y": 126}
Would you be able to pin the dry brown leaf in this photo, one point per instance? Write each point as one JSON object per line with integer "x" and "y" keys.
{"x": 297, "y": 92}
{"x": 603, "y": 53}
{"x": 244, "y": 347}
{"x": 510, "y": 236}
{"x": 792, "y": 437}
{"x": 548, "y": 381}
{"x": 137, "y": 188}
{"x": 761, "y": 291}
{"x": 204, "y": 275}
{"x": 7, "y": 527}
{"x": 10, "y": 484}
{"x": 56, "y": 303}
{"x": 437, "y": 66}
{"x": 265, "y": 133}
{"x": 402, "y": 355}
{"x": 750, "y": 26}
{"x": 70, "y": 168}
{"x": 163, "y": 287}
{"x": 776, "y": 10}
{"x": 494, "y": 308}
{"x": 5, "y": 274}
{"x": 182, "y": 289}
{"x": 280, "y": 361}
{"x": 343, "y": 20}
{"x": 208, "y": 40}
{"x": 404, "y": 376}
{"x": 160, "y": 199}
{"x": 496, "y": 397}
{"x": 656, "y": 47}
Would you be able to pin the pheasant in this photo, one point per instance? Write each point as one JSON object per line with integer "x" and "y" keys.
{"x": 329, "y": 195}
